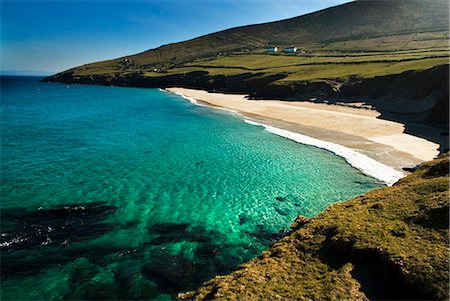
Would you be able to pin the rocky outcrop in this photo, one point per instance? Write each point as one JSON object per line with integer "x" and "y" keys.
{"x": 421, "y": 96}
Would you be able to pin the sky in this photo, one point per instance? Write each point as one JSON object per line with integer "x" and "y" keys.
{"x": 49, "y": 36}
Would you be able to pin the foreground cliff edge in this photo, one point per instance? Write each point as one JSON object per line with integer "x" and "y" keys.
{"x": 390, "y": 243}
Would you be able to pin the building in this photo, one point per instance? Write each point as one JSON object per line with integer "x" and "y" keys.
{"x": 290, "y": 49}
{"x": 272, "y": 49}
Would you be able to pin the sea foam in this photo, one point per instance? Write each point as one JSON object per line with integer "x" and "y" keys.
{"x": 190, "y": 99}
{"x": 366, "y": 165}
{"x": 362, "y": 162}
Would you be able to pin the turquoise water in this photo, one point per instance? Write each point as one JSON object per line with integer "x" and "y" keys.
{"x": 128, "y": 193}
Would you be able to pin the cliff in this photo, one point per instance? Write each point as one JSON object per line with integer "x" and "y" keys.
{"x": 390, "y": 243}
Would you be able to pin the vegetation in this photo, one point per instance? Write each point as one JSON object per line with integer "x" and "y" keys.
{"x": 341, "y": 41}
{"x": 390, "y": 243}
{"x": 320, "y": 65}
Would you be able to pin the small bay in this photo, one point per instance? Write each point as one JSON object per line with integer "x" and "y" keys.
{"x": 132, "y": 193}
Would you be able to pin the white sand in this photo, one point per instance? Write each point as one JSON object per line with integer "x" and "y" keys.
{"x": 354, "y": 128}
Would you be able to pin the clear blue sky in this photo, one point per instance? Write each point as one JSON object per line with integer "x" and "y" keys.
{"x": 54, "y": 35}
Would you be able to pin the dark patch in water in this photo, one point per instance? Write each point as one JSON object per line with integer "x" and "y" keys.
{"x": 29, "y": 262}
{"x": 173, "y": 232}
{"x": 171, "y": 273}
{"x": 27, "y": 229}
{"x": 242, "y": 219}
{"x": 226, "y": 263}
{"x": 281, "y": 212}
{"x": 206, "y": 251}
{"x": 267, "y": 236}
{"x": 37, "y": 240}
{"x": 131, "y": 285}
{"x": 199, "y": 163}
{"x": 167, "y": 228}
{"x": 82, "y": 272}
{"x": 99, "y": 291}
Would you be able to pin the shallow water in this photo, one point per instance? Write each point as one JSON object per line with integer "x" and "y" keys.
{"x": 128, "y": 193}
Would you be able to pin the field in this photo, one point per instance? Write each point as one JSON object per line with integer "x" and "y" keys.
{"x": 363, "y": 57}
{"x": 320, "y": 65}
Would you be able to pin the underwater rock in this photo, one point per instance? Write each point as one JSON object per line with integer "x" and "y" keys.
{"x": 226, "y": 263}
{"x": 20, "y": 263}
{"x": 207, "y": 251}
{"x": 165, "y": 228}
{"x": 172, "y": 232}
{"x": 24, "y": 229}
{"x": 171, "y": 273}
{"x": 242, "y": 219}
{"x": 131, "y": 284}
{"x": 199, "y": 163}
{"x": 265, "y": 235}
{"x": 83, "y": 270}
{"x": 100, "y": 291}
{"x": 281, "y": 212}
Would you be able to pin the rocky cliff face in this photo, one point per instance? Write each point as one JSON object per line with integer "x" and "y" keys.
{"x": 389, "y": 244}
{"x": 418, "y": 95}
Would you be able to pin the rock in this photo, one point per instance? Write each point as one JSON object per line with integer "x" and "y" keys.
{"x": 281, "y": 212}
{"x": 207, "y": 251}
{"x": 226, "y": 263}
{"x": 299, "y": 222}
{"x": 165, "y": 228}
{"x": 376, "y": 206}
{"x": 199, "y": 163}
{"x": 55, "y": 226}
{"x": 83, "y": 270}
{"x": 171, "y": 273}
{"x": 410, "y": 169}
{"x": 172, "y": 232}
{"x": 242, "y": 219}
{"x": 100, "y": 291}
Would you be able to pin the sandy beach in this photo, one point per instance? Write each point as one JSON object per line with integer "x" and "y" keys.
{"x": 354, "y": 128}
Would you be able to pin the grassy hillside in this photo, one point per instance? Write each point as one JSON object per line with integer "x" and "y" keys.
{"x": 330, "y": 35}
{"x": 319, "y": 65}
{"x": 390, "y": 243}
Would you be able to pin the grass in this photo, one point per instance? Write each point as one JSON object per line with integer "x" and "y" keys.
{"x": 309, "y": 68}
{"x": 315, "y": 65}
{"x": 349, "y": 33}
{"x": 363, "y": 57}
{"x": 391, "y": 243}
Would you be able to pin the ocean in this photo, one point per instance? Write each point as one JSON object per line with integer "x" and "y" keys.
{"x": 133, "y": 193}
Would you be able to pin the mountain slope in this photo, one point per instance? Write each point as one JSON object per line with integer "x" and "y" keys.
{"x": 351, "y": 21}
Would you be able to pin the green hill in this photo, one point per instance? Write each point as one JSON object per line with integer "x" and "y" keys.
{"x": 381, "y": 25}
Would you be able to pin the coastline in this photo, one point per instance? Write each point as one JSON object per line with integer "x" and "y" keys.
{"x": 379, "y": 148}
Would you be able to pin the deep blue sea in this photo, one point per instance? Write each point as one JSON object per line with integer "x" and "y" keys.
{"x": 130, "y": 193}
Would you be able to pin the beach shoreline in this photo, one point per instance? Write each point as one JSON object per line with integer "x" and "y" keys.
{"x": 355, "y": 132}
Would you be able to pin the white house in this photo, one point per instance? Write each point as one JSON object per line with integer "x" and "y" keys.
{"x": 290, "y": 49}
{"x": 272, "y": 49}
